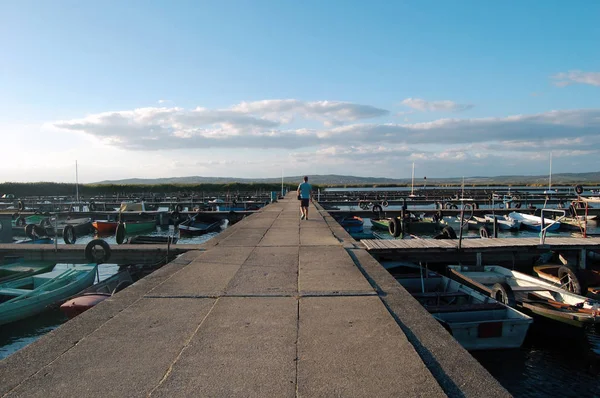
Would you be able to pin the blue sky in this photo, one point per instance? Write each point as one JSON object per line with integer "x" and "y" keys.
{"x": 251, "y": 88}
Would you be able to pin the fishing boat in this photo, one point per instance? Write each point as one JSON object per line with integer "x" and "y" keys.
{"x": 97, "y": 293}
{"x": 534, "y": 223}
{"x": 134, "y": 227}
{"x": 352, "y": 224}
{"x": 31, "y": 295}
{"x": 530, "y": 294}
{"x": 476, "y": 321}
{"x": 103, "y": 227}
{"x": 199, "y": 225}
{"x": 505, "y": 223}
{"x": 20, "y": 269}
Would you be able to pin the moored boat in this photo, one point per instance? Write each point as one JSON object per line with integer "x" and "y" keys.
{"x": 534, "y": 223}
{"x": 352, "y": 224}
{"x": 105, "y": 226}
{"x": 31, "y": 295}
{"x": 134, "y": 227}
{"x": 505, "y": 223}
{"x": 530, "y": 294}
{"x": 475, "y": 320}
{"x": 199, "y": 225}
{"x": 20, "y": 269}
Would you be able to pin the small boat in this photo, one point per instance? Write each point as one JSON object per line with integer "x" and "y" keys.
{"x": 352, "y": 224}
{"x": 534, "y": 223}
{"x": 580, "y": 281}
{"x": 381, "y": 224}
{"x": 31, "y": 295}
{"x": 530, "y": 294}
{"x": 97, "y": 293}
{"x": 455, "y": 223}
{"x": 199, "y": 225}
{"x": 134, "y": 227}
{"x": 476, "y": 321}
{"x": 103, "y": 227}
{"x": 152, "y": 240}
{"x": 20, "y": 269}
{"x": 505, "y": 223}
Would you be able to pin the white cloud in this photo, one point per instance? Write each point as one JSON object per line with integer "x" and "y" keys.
{"x": 443, "y": 106}
{"x": 564, "y": 79}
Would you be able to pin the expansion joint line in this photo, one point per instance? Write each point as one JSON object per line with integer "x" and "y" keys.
{"x": 185, "y": 346}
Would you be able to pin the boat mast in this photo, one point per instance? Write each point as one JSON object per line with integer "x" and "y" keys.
{"x": 550, "y": 177}
{"x": 76, "y": 183}
{"x": 412, "y": 184}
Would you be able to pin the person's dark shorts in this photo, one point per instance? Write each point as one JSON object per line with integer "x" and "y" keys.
{"x": 303, "y": 202}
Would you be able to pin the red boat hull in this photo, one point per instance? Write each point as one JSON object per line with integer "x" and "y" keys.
{"x": 105, "y": 227}
{"x": 80, "y": 304}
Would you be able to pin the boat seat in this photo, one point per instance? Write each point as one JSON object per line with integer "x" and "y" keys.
{"x": 439, "y": 294}
{"x": 8, "y": 291}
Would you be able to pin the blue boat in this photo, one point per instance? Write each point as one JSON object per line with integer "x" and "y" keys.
{"x": 352, "y": 224}
{"x": 534, "y": 223}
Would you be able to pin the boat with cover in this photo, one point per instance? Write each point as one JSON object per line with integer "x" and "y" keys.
{"x": 476, "y": 321}
{"x": 534, "y": 223}
{"x": 31, "y": 295}
{"x": 529, "y": 294}
{"x": 505, "y": 223}
{"x": 199, "y": 225}
{"x": 97, "y": 293}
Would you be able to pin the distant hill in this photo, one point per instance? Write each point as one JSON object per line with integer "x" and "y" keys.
{"x": 333, "y": 179}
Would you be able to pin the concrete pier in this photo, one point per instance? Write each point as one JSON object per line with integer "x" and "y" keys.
{"x": 272, "y": 307}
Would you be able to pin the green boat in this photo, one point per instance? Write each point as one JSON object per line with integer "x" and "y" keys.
{"x": 382, "y": 224}
{"x": 34, "y": 219}
{"x": 16, "y": 270}
{"x": 134, "y": 227}
{"x": 28, "y": 296}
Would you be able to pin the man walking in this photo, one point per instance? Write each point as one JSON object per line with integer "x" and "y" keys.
{"x": 304, "y": 194}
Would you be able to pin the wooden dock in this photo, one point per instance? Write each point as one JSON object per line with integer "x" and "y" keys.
{"x": 273, "y": 307}
{"x": 500, "y": 249}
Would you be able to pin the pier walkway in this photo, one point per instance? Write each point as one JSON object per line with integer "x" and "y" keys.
{"x": 272, "y": 307}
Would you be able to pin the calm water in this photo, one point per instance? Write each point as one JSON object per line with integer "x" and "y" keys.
{"x": 554, "y": 361}
{"x": 17, "y": 335}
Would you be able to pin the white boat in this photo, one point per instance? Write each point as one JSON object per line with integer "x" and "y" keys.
{"x": 476, "y": 321}
{"x": 505, "y": 223}
{"x": 454, "y": 222}
{"x": 534, "y": 223}
{"x": 529, "y": 293}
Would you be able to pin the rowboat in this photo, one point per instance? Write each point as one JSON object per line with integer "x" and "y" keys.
{"x": 97, "y": 293}
{"x": 476, "y": 321}
{"x": 22, "y": 269}
{"x": 580, "y": 281}
{"x": 381, "y": 224}
{"x": 505, "y": 223}
{"x": 534, "y": 223}
{"x": 134, "y": 227}
{"x": 530, "y": 294}
{"x": 199, "y": 225}
{"x": 352, "y": 224}
{"x": 105, "y": 226}
{"x": 31, "y": 295}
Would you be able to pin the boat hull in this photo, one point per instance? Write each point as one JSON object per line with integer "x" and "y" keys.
{"x": 105, "y": 227}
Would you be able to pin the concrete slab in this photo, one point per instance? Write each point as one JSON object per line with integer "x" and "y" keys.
{"x": 281, "y": 237}
{"x": 264, "y": 280}
{"x": 284, "y": 256}
{"x": 245, "y": 348}
{"x": 113, "y": 361}
{"x": 226, "y": 255}
{"x": 199, "y": 279}
{"x": 352, "y": 347}
{"x": 317, "y": 237}
{"x": 248, "y": 237}
{"x": 329, "y": 269}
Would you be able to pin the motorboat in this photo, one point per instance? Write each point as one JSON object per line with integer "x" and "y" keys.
{"x": 530, "y": 294}
{"x": 505, "y": 223}
{"x": 534, "y": 223}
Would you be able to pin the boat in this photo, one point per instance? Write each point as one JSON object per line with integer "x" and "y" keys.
{"x": 530, "y": 294}
{"x": 152, "y": 240}
{"x": 382, "y": 224}
{"x": 31, "y": 295}
{"x": 352, "y": 224}
{"x": 455, "y": 223}
{"x": 103, "y": 227}
{"x": 534, "y": 223}
{"x": 505, "y": 223}
{"x": 578, "y": 281}
{"x": 476, "y": 321}
{"x": 134, "y": 227}
{"x": 20, "y": 269}
{"x": 97, "y": 293}
{"x": 199, "y": 225}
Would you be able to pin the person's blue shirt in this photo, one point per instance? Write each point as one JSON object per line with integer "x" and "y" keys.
{"x": 305, "y": 189}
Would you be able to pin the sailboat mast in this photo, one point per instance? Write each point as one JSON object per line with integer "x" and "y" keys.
{"x": 412, "y": 184}
{"x": 76, "y": 183}
{"x": 550, "y": 177}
